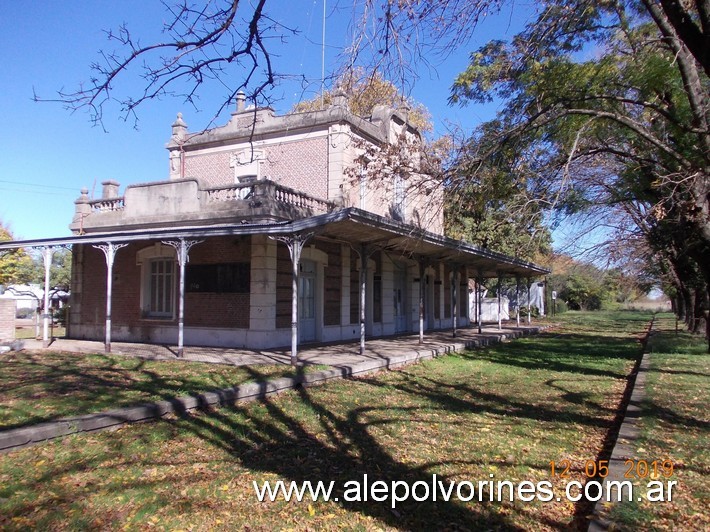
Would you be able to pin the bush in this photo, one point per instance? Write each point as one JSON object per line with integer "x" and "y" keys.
{"x": 534, "y": 312}
{"x": 60, "y": 316}
{"x": 560, "y": 306}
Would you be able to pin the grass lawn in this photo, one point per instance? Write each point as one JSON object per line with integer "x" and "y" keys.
{"x": 27, "y": 332}
{"x": 502, "y": 413}
{"x": 676, "y": 427}
{"x": 39, "y": 386}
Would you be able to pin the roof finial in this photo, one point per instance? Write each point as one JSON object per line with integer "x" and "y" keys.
{"x": 340, "y": 98}
{"x": 179, "y": 127}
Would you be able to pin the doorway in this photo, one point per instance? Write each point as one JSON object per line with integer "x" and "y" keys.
{"x": 398, "y": 293}
{"x": 307, "y": 301}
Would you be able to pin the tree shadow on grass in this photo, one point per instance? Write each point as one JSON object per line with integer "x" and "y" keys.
{"x": 302, "y": 437}
{"x": 579, "y": 354}
{"x": 673, "y": 419}
{"x": 71, "y": 387}
{"x": 678, "y": 372}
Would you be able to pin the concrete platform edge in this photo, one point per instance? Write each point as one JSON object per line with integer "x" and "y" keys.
{"x": 624, "y": 447}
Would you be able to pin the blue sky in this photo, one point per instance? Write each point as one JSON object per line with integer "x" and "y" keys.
{"x": 47, "y": 154}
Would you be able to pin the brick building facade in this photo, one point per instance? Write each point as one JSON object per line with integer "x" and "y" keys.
{"x": 258, "y": 206}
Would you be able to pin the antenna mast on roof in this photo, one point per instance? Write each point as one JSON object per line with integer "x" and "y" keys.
{"x": 322, "y": 62}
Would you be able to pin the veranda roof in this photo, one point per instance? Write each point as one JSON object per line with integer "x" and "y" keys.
{"x": 351, "y": 225}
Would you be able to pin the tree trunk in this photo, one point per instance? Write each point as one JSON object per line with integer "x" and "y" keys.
{"x": 697, "y": 309}
{"x": 688, "y": 301}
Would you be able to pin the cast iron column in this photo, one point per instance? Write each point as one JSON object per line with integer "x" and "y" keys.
{"x": 529, "y": 302}
{"x": 295, "y": 245}
{"x": 109, "y": 250}
{"x": 454, "y": 298}
{"x": 364, "y": 253}
{"x": 500, "y": 326}
{"x": 479, "y": 284}
{"x": 517, "y": 299}
{"x": 182, "y": 249}
{"x": 422, "y": 267}
{"x": 47, "y": 253}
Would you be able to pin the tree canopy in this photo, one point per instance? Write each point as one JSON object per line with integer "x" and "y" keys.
{"x": 364, "y": 91}
{"x": 15, "y": 266}
{"x": 489, "y": 207}
{"x": 20, "y": 267}
{"x": 606, "y": 118}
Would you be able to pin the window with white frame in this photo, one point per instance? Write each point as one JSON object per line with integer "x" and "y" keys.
{"x": 157, "y": 281}
{"x": 161, "y": 287}
{"x": 247, "y": 164}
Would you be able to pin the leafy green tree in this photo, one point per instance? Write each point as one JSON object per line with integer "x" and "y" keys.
{"x": 488, "y": 204}
{"x": 606, "y": 110}
{"x": 20, "y": 267}
{"x": 585, "y": 286}
{"x": 15, "y": 266}
{"x": 582, "y": 292}
{"x": 30, "y": 271}
{"x": 60, "y": 271}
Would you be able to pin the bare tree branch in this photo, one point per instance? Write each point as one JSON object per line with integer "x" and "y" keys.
{"x": 210, "y": 43}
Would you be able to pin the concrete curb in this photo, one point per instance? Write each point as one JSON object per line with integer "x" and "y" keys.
{"x": 24, "y": 436}
{"x": 624, "y": 447}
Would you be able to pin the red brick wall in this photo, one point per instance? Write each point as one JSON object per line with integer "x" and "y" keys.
{"x": 125, "y": 303}
{"x": 354, "y": 288}
{"x": 377, "y": 289}
{"x": 331, "y": 285}
{"x": 437, "y": 293}
{"x": 201, "y": 309}
{"x": 205, "y": 309}
{"x": 301, "y": 164}
{"x": 211, "y": 169}
{"x": 284, "y": 285}
{"x": 217, "y": 310}
{"x": 461, "y": 291}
